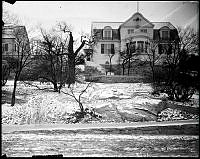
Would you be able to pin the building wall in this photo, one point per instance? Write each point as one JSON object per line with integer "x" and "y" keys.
{"x": 99, "y": 58}
{"x": 11, "y": 46}
{"x": 8, "y": 36}
{"x": 137, "y": 35}
{"x": 136, "y": 22}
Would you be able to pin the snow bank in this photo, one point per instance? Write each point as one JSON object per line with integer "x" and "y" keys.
{"x": 110, "y": 100}
{"x": 141, "y": 100}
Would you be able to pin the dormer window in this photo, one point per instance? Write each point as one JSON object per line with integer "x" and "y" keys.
{"x": 4, "y": 47}
{"x": 165, "y": 33}
{"x": 130, "y": 31}
{"x": 143, "y": 30}
{"x": 107, "y": 33}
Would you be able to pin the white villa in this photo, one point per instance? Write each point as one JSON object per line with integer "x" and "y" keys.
{"x": 113, "y": 37}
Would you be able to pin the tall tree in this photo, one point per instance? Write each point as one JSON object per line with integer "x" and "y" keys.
{"x": 50, "y": 59}
{"x": 128, "y": 55}
{"x": 73, "y": 56}
{"x": 173, "y": 56}
{"x": 110, "y": 55}
{"x": 22, "y": 55}
{"x": 153, "y": 53}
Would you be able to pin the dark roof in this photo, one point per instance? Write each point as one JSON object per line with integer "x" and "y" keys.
{"x": 158, "y": 25}
{"x": 8, "y": 30}
{"x": 10, "y": 1}
{"x": 101, "y": 25}
{"x": 137, "y": 13}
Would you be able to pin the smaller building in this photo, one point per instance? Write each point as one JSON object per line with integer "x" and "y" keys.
{"x": 14, "y": 38}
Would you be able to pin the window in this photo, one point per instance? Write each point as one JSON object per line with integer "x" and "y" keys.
{"x": 165, "y": 35}
{"x": 132, "y": 46}
{"x": 107, "y": 49}
{"x": 140, "y": 45}
{"x": 146, "y": 46}
{"x": 102, "y": 48}
{"x": 4, "y": 47}
{"x": 107, "y": 33}
{"x": 143, "y": 30}
{"x": 130, "y": 31}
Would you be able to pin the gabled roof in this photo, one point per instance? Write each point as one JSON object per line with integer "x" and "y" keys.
{"x": 134, "y": 15}
{"x": 8, "y": 31}
{"x": 158, "y": 25}
{"x": 116, "y": 25}
{"x": 101, "y": 25}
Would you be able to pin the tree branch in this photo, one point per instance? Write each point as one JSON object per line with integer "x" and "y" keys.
{"x": 80, "y": 47}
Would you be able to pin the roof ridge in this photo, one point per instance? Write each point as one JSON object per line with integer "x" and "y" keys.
{"x": 106, "y": 22}
{"x": 160, "y": 22}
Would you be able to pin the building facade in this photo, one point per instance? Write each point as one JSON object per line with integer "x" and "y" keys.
{"x": 12, "y": 39}
{"x": 113, "y": 37}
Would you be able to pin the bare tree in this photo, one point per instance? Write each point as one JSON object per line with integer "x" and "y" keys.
{"x": 128, "y": 55}
{"x": 73, "y": 56}
{"x": 174, "y": 54}
{"x": 55, "y": 48}
{"x": 110, "y": 54}
{"x": 23, "y": 55}
{"x": 83, "y": 111}
{"x": 153, "y": 56}
{"x": 177, "y": 51}
{"x": 49, "y": 59}
{"x": 78, "y": 99}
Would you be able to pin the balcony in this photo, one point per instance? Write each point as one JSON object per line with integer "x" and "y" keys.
{"x": 137, "y": 34}
{"x": 107, "y": 38}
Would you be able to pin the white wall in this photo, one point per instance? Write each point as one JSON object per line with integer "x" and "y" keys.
{"x": 99, "y": 58}
{"x": 137, "y": 35}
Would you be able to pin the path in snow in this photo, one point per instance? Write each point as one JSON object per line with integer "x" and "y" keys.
{"x": 75, "y": 144}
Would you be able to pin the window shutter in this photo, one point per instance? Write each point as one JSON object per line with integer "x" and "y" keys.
{"x": 102, "y": 48}
{"x": 112, "y": 34}
{"x": 6, "y": 47}
{"x": 112, "y": 49}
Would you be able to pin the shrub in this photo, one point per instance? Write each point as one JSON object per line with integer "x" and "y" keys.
{"x": 116, "y": 79}
{"x": 90, "y": 70}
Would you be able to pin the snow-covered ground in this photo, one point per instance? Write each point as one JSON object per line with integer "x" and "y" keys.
{"x": 118, "y": 102}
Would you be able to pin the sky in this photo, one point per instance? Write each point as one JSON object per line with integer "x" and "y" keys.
{"x": 80, "y": 14}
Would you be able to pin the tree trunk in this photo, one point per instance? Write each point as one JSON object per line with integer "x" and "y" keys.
{"x": 71, "y": 62}
{"x": 110, "y": 66}
{"x": 123, "y": 68}
{"x": 55, "y": 87}
{"x": 81, "y": 107}
{"x": 153, "y": 75}
{"x": 129, "y": 66}
{"x": 14, "y": 90}
{"x": 71, "y": 73}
